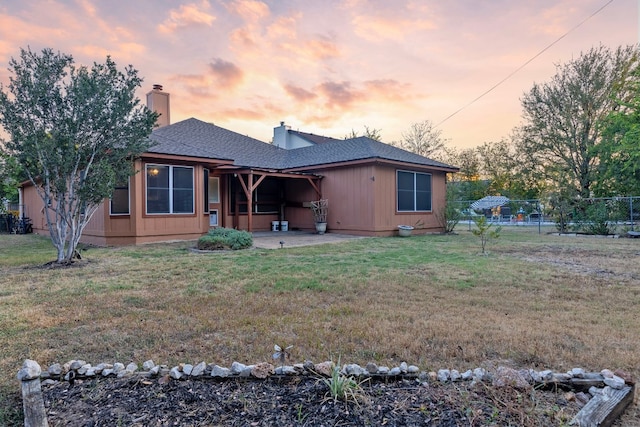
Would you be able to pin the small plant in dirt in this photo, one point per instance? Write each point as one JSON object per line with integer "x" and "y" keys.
{"x": 225, "y": 238}
{"x": 344, "y": 387}
{"x": 483, "y": 230}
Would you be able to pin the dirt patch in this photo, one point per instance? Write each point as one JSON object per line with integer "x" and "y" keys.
{"x": 620, "y": 266}
{"x": 298, "y": 401}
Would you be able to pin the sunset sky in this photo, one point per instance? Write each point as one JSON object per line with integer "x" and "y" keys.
{"x": 327, "y": 66}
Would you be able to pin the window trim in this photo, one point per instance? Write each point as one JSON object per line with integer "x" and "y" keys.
{"x": 111, "y": 213}
{"x": 170, "y": 188}
{"x": 415, "y": 204}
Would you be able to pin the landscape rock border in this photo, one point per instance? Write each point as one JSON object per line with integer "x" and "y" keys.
{"x": 603, "y": 396}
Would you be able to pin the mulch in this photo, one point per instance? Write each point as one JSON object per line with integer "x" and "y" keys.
{"x": 298, "y": 401}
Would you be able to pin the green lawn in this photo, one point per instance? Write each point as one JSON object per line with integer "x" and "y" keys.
{"x": 538, "y": 300}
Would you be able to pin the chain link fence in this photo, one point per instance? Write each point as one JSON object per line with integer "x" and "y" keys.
{"x": 606, "y": 215}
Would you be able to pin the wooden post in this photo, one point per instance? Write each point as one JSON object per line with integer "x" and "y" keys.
{"x": 32, "y": 400}
{"x": 604, "y": 409}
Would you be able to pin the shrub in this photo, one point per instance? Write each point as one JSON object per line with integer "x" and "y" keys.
{"x": 225, "y": 238}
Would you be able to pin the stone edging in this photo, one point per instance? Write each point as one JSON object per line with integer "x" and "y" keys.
{"x": 591, "y": 387}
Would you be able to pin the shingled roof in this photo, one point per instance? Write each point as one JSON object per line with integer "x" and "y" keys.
{"x": 195, "y": 138}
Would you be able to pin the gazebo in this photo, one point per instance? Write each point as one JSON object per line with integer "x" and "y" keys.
{"x": 492, "y": 206}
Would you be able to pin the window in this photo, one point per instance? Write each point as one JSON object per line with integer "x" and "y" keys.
{"x": 266, "y": 198}
{"x": 414, "y": 191}
{"x": 214, "y": 189}
{"x": 169, "y": 189}
{"x": 119, "y": 204}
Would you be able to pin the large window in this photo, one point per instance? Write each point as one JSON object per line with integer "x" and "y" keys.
{"x": 414, "y": 191}
{"x": 169, "y": 189}
{"x": 119, "y": 204}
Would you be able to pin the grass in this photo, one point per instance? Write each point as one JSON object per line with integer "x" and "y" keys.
{"x": 538, "y": 300}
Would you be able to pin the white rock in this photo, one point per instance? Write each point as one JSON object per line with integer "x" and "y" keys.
{"x": 82, "y": 370}
{"x": 219, "y": 371}
{"x": 55, "y": 369}
{"x": 30, "y": 370}
{"x": 606, "y": 373}
{"x": 616, "y": 382}
{"x": 479, "y": 374}
{"x": 154, "y": 370}
{"x": 131, "y": 367}
{"x": 455, "y": 375}
{"x": 117, "y": 367}
{"x": 107, "y": 372}
{"x": 467, "y": 375}
{"x": 198, "y": 370}
{"x": 413, "y": 369}
{"x": 91, "y": 372}
{"x": 102, "y": 366}
{"x": 175, "y": 373}
{"x": 148, "y": 365}
{"x": 383, "y": 370}
{"x": 187, "y": 368}
{"x": 285, "y": 370}
{"x": 237, "y": 367}
{"x": 395, "y": 371}
{"x": 444, "y": 375}
{"x": 404, "y": 367}
{"x": 76, "y": 364}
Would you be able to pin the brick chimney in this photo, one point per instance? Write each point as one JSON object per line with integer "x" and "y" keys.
{"x": 158, "y": 101}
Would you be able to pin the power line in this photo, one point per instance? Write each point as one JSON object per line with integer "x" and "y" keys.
{"x": 525, "y": 64}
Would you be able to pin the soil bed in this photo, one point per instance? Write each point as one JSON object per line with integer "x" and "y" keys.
{"x": 299, "y": 401}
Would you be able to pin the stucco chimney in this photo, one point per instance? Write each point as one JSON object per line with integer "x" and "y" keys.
{"x": 281, "y": 136}
{"x": 158, "y": 101}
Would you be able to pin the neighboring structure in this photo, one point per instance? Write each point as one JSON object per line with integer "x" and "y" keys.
{"x": 198, "y": 175}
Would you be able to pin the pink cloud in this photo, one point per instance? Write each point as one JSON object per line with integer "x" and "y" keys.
{"x": 298, "y": 93}
{"x": 188, "y": 15}
{"x": 227, "y": 73}
{"x": 251, "y": 11}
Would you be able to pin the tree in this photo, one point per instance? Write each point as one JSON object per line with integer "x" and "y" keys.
{"x": 75, "y": 132}
{"x": 9, "y": 176}
{"x": 422, "y": 138}
{"x": 619, "y": 151}
{"x": 563, "y": 117}
{"x": 467, "y": 181}
{"x": 368, "y": 132}
{"x": 484, "y": 232}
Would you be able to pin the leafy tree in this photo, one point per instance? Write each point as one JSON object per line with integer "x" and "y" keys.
{"x": 422, "y": 138}
{"x": 619, "y": 151}
{"x": 9, "y": 178}
{"x": 74, "y": 131}
{"x": 368, "y": 132}
{"x": 563, "y": 116}
{"x": 467, "y": 181}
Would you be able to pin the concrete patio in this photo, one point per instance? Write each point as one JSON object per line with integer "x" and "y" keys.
{"x": 272, "y": 239}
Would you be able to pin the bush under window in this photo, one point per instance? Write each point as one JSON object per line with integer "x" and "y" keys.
{"x": 225, "y": 238}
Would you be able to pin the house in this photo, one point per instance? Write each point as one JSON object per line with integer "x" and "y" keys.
{"x": 199, "y": 175}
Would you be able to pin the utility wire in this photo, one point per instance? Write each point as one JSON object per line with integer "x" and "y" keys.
{"x": 524, "y": 65}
